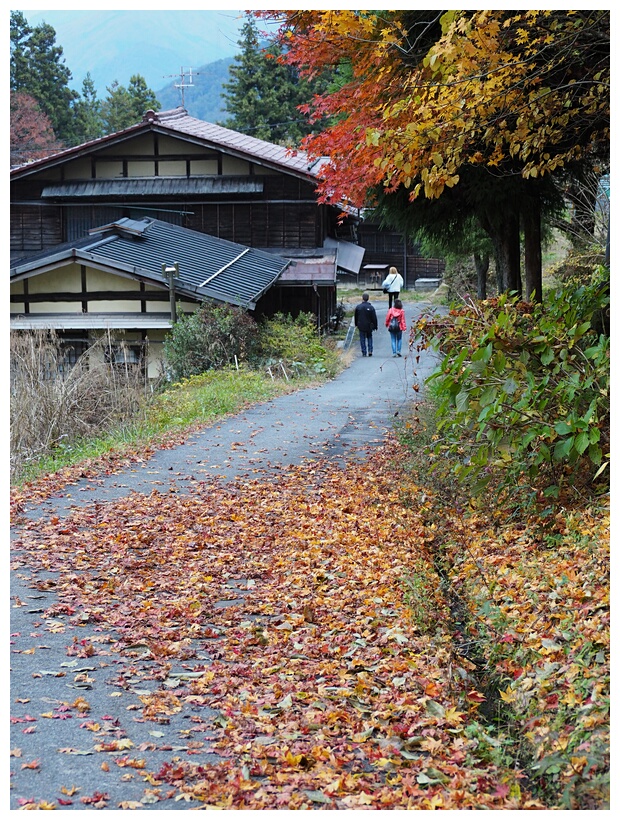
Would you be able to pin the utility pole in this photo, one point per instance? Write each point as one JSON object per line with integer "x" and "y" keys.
{"x": 183, "y": 85}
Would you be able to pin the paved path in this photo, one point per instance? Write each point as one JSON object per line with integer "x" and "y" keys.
{"x": 338, "y": 419}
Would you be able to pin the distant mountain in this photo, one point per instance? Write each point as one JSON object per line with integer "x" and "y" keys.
{"x": 159, "y": 45}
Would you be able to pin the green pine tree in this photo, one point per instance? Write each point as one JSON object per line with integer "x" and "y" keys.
{"x": 88, "y": 120}
{"x": 126, "y": 106}
{"x": 262, "y": 95}
{"x": 38, "y": 68}
{"x": 20, "y": 35}
{"x": 143, "y": 98}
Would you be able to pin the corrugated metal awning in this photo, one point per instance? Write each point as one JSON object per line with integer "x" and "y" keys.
{"x": 320, "y": 271}
{"x": 91, "y": 321}
{"x": 349, "y": 257}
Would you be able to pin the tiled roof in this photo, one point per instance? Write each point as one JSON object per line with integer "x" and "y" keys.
{"x": 178, "y": 121}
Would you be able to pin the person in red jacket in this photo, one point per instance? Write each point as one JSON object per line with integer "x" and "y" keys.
{"x": 395, "y": 323}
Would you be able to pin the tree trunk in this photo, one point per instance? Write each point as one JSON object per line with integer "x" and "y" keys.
{"x": 533, "y": 250}
{"x": 509, "y": 252}
{"x": 499, "y": 275}
{"x": 502, "y": 226}
{"x": 481, "y": 261}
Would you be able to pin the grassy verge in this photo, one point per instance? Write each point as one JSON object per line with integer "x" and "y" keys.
{"x": 194, "y": 402}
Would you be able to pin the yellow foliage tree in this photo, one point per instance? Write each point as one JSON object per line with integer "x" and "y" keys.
{"x": 518, "y": 93}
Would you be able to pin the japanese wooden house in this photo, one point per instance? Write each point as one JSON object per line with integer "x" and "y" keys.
{"x": 171, "y": 169}
{"x": 175, "y": 169}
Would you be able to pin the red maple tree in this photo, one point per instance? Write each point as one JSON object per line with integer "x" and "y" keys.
{"x": 31, "y": 135}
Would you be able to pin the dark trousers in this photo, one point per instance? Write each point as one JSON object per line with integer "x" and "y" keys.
{"x": 366, "y": 341}
{"x": 391, "y": 298}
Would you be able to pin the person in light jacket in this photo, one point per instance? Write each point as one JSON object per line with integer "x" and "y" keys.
{"x": 366, "y": 322}
{"x": 395, "y": 323}
{"x": 392, "y": 285}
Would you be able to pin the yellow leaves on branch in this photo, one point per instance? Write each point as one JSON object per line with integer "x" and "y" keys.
{"x": 489, "y": 90}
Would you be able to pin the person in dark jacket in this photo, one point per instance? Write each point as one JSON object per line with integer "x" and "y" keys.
{"x": 366, "y": 322}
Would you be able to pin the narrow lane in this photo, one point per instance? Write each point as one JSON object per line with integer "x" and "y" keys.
{"x": 355, "y": 409}
{"x": 61, "y": 679}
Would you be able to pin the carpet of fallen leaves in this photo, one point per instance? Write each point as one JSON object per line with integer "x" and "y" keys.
{"x": 538, "y": 600}
{"x": 278, "y": 614}
{"x": 109, "y": 463}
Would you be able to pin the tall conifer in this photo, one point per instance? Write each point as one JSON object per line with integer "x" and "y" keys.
{"x": 263, "y": 95}
{"x": 38, "y": 69}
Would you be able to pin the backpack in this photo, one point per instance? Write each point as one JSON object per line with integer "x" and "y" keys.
{"x": 394, "y": 325}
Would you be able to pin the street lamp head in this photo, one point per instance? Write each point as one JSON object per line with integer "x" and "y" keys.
{"x": 170, "y": 270}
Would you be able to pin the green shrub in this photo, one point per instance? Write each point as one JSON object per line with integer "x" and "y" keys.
{"x": 295, "y": 343}
{"x": 523, "y": 389}
{"x": 209, "y": 339}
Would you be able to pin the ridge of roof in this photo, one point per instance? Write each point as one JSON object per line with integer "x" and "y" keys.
{"x": 179, "y": 121}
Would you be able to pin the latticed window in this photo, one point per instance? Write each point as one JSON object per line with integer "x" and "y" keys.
{"x": 72, "y": 349}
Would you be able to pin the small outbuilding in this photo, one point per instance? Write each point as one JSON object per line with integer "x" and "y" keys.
{"x": 129, "y": 278}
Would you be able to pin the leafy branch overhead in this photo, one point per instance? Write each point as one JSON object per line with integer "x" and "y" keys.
{"x": 515, "y": 91}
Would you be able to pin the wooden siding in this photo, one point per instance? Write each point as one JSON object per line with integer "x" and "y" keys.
{"x": 259, "y": 224}
{"x": 388, "y": 248}
{"x": 34, "y": 228}
{"x": 294, "y": 300}
{"x": 284, "y": 215}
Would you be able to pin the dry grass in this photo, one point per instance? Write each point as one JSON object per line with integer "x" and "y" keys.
{"x": 55, "y": 406}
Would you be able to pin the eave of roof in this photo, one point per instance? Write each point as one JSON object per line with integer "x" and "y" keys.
{"x": 152, "y": 186}
{"x": 91, "y": 321}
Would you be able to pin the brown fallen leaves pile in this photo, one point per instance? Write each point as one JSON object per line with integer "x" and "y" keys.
{"x": 321, "y": 654}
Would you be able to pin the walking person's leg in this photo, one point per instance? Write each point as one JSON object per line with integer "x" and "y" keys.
{"x": 369, "y": 343}
{"x": 393, "y": 341}
{"x": 399, "y": 341}
{"x": 363, "y": 342}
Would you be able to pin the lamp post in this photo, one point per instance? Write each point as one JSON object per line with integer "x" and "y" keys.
{"x": 172, "y": 271}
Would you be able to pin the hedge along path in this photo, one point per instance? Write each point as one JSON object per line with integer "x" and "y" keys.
{"x": 273, "y": 615}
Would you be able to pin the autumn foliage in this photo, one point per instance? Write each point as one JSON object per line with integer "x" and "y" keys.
{"x": 523, "y": 392}
{"x": 523, "y": 92}
{"x": 31, "y": 134}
